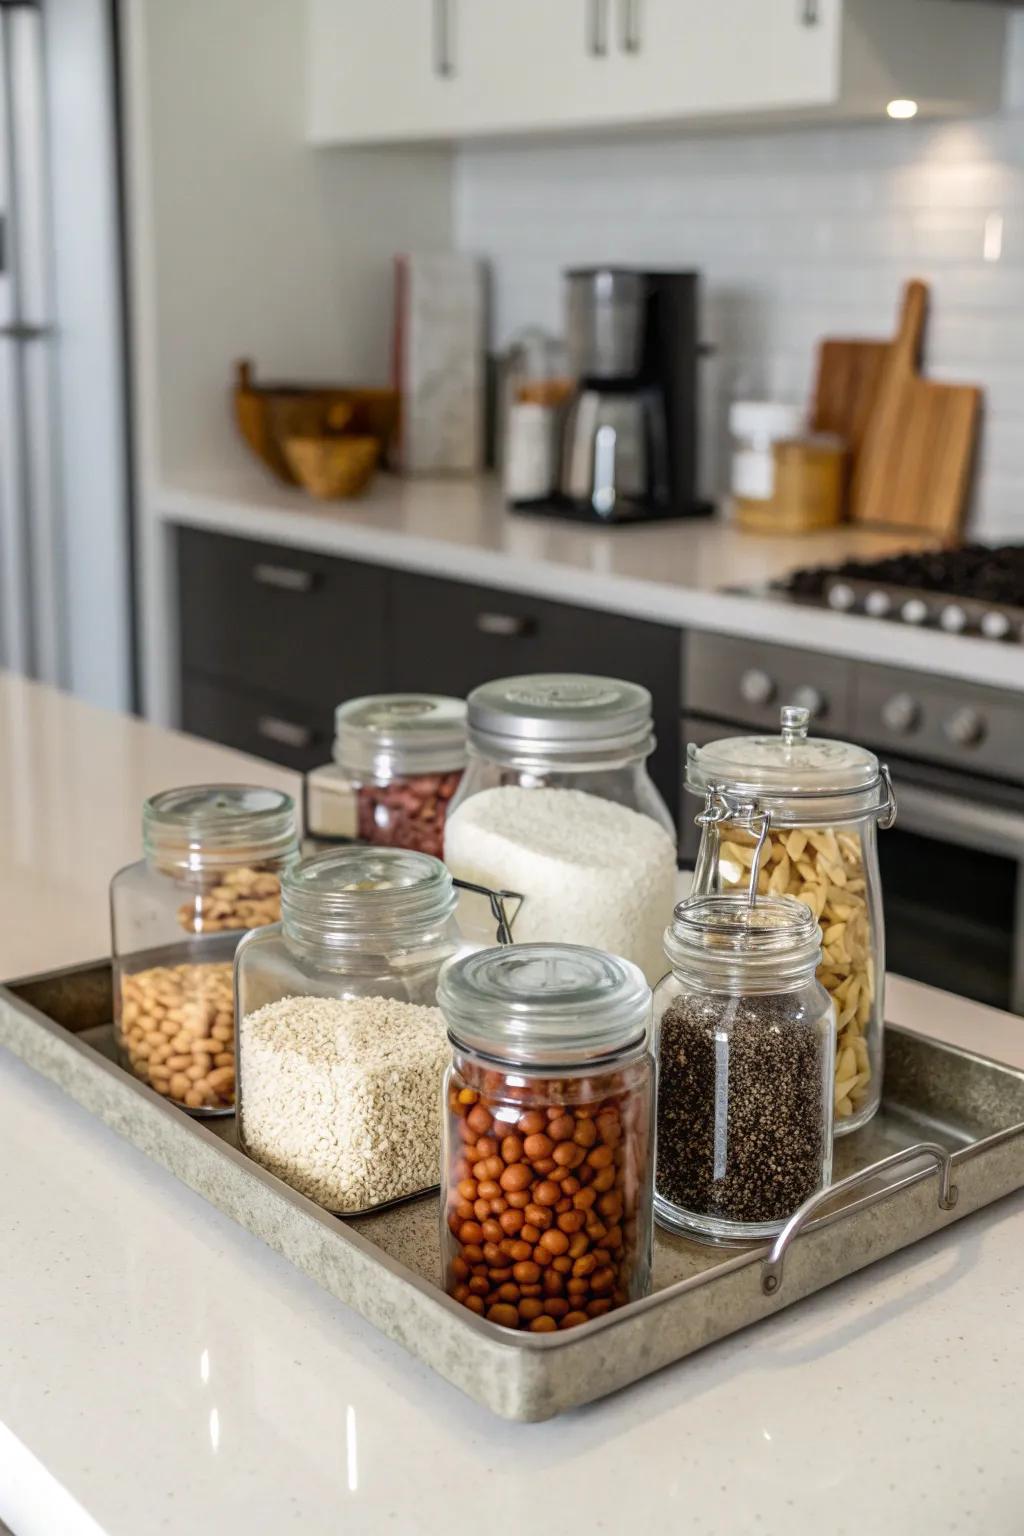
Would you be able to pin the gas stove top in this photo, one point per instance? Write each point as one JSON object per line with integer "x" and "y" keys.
{"x": 973, "y": 590}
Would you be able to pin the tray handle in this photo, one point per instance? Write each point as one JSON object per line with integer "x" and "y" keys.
{"x": 771, "y": 1269}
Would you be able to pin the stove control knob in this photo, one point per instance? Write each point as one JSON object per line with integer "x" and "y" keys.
{"x": 964, "y": 727}
{"x": 914, "y": 611}
{"x": 901, "y": 713}
{"x": 995, "y": 625}
{"x": 809, "y": 698}
{"x": 756, "y": 687}
{"x": 953, "y": 619}
{"x": 842, "y": 596}
{"x": 878, "y": 603}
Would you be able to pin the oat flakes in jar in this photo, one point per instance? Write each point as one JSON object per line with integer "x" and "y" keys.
{"x": 213, "y": 858}
{"x": 547, "y": 1165}
{"x": 801, "y": 813}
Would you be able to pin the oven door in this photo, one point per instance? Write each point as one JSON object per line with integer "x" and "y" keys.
{"x": 952, "y": 876}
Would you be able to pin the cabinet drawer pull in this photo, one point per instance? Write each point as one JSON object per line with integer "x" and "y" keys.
{"x": 284, "y": 732}
{"x": 287, "y": 578}
{"x": 509, "y": 626}
{"x": 597, "y": 28}
{"x": 810, "y": 13}
{"x": 444, "y": 54}
{"x": 631, "y": 26}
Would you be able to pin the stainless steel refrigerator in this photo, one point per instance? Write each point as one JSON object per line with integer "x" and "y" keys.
{"x": 65, "y": 528}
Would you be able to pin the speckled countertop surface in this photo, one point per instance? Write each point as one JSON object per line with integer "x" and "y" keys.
{"x": 162, "y": 1371}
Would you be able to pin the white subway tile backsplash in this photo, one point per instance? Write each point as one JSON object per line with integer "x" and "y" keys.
{"x": 798, "y": 234}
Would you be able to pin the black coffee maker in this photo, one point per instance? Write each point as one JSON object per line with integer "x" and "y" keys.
{"x": 628, "y": 448}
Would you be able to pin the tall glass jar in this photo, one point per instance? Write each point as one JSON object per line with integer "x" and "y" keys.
{"x": 212, "y": 864}
{"x": 556, "y": 804}
{"x": 802, "y": 812}
{"x": 341, "y": 1048}
{"x": 548, "y": 1135}
{"x": 745, "y": 1043}
{"x": 398, "y": 759}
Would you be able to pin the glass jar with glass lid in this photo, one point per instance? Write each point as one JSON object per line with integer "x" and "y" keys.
{"x": 557, "y": 805}
{"x": 213, "y": 859}
{"x": 801, "y": 813}
{"x": 548, "y": 1135}
{"x": 398, "y": 759}
{"x": 341, "y": 1047}
{"x": 745, "y": 1043}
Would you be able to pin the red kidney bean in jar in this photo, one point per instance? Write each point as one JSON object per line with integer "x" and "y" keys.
{"x": 406, "y": 812}
{"x": 547, "y": 1179}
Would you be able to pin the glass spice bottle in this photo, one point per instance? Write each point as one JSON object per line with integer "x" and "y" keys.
{"x": 548, "y": 1135}
{"x": 745, "y": 1043}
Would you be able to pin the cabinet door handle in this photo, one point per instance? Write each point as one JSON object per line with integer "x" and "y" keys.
{"x": 810, "y": 13}
{"x": 510, "y": 626}
{"x": 597, "y": 28}
{"x": 631, "y": 39}
{"x": 284, "y": 732}
{"x": 444, "y": 29}
{"x": 287, "y": 578}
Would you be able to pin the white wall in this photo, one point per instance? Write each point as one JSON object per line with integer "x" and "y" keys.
{"x": 799, "y": 234}
{"x": 248, "y": 243}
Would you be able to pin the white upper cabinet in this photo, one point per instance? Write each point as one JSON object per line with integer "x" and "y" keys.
{"x": 404, "y": 70}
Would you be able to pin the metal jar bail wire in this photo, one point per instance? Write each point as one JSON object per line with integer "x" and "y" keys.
{"x": 496, "y": 900}
{"x": 718, "y": 807}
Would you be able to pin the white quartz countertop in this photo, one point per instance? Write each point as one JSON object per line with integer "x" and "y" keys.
{"x": 162, "y": 1371}
{"x": 670, "y": 572}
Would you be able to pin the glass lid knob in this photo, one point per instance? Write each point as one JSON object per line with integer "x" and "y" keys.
{"x": 795, "y": 722}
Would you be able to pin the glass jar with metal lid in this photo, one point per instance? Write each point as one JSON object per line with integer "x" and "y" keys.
{"x": 398, "y": 759}
{"x": 556, "y": 804}
{"x": 745, "y": 1043}
{"x": 797, "y": 815}
{"x": 213, "y": 859}
{"x": 340, "y": 1045}
{"x": 548, "y": 1135}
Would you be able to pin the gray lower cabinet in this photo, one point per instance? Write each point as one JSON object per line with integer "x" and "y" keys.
{"x": 273, "y": 638}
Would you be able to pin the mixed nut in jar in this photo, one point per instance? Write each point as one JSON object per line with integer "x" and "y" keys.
{"x": 341, "y": 1047}
{"x": 398, "y": 760}
{"x": 213, "y": 859}
{"x": 745, "y": 1043}
{"x": 548, "y": 1135}
{"x": 797, "y": 816}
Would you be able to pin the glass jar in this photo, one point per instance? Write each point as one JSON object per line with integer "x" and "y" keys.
{"x": 755, "y": 426}
{"x": 341, "y": 1048}
{"x": 745, "y": 1042}
{"x": 556, "y": 804}
{"x": 548, "y": 1135}
{"x": 398, "y": 759}
{"x": 803, "y": 813}
{"x": 213, "y": 858}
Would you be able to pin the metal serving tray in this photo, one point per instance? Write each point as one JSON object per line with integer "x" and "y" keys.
{"x": 948, "y": 1139}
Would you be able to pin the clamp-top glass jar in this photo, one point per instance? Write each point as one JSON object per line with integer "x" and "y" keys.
{"x": 745, "y": 1042}
{"x": 548, "y": 1135}
{"x": 341, "y": 1048}
{"x": 398, "y": 759}
{"x": 556, "y": 804}
{"x": 802, "y": 812}
{"x": 213, "y": 858}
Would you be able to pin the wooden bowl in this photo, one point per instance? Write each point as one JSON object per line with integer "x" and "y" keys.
{"x": 332, "y": 467}
{"x": 269, "y": 414}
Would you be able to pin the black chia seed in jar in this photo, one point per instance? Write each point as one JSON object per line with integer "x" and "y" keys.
{"x": 739, "y": 1107}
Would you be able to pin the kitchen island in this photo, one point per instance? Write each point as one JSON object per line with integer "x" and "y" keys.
{"x": 160, "y": 1370}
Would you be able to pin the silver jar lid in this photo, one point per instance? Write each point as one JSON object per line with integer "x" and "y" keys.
{"x": 214, "y": 825}
{"x": 387, "y": 734}
{"x": 347, "y": 897}
{"x": 783, "y": 773}
{"x": 559, "y": 714}
{"x": 545, "y": 1004}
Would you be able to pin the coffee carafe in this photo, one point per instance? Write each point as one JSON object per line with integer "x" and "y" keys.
{"x": 629, "y": 439}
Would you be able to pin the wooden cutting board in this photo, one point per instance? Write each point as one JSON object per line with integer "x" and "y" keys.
{"x": 914, "y": 463}
{"x": 849, "y": 376}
